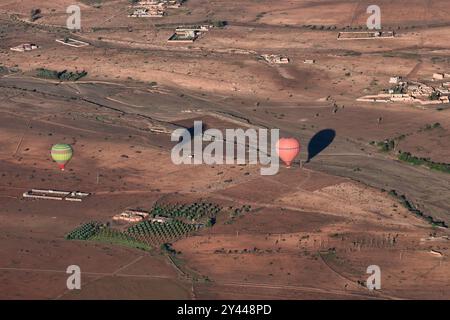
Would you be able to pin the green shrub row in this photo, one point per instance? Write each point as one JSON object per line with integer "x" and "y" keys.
{"x": 409, "y": 158}
{"x": 84, "y": 232}
{"x": 413, "y": 209}
{"x": 62, "y": 75}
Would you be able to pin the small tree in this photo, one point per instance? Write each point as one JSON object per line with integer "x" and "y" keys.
{"x": 210, "y": 222}
{"x": 218, "y": 23}
{"x": 434, "y": 96}
{"x": 35, "y": 14}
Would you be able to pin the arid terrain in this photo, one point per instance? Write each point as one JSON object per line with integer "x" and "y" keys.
{"x": 312, "y": 230}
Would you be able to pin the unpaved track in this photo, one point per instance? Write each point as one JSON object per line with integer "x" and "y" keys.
{"x": 300, "y": 288}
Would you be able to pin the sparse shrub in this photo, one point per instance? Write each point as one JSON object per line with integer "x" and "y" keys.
{"x": 35, "y": 14}
{"x": 62, "y": 75}
{"x": 218, "y": 23}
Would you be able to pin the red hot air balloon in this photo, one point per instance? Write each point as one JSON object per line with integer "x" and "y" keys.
{"x": 288, "y": 149}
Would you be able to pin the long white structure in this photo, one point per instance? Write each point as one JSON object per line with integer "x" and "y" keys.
{"x": 75, "y": 196}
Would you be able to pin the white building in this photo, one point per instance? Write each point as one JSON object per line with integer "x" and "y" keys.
{"x": 275, "y": 58}
{"x": 438, "y": 76}
{"x": 444, "y": 91}
{"x": 395, "y": 80}
{"x": 25, "y": 47}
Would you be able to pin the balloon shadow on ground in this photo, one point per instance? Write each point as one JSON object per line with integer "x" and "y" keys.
{"x": 192, "y": 130}
{"x": 319, "y": 142}
{"x": 192, "y": 133}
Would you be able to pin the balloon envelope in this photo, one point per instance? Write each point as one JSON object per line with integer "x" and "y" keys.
{"x": 61, "y": 154}
{"x": 287, "y": 149}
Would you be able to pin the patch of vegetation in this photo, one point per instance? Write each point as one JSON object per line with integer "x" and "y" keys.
{"x": 167, "y": 248}
{"x": 438, "y": 166}
{"x": 195, "y": 212}
{"x": 60, "y": 75}
{"x": 431, "y": 127}
{"x": 389, "y": 144}
{"x": 335, "y": 235}
{"x": 153, "y": 233}
{"x": 408, "y": 204}
{"x": 434, "y": 96}
{"x": 398, "y": 89}
{"x": 96, "y": 231}
{"x": 218, "y": 23}
{"x": 328, "y": 255}
{"x": 237, "y": 212}
{"x": 183, "y": 219}
{"x": 351, "y": 53}
{"x": 4, "y": 70}
{"x": 176, "y": 221}
{"x": 84, "y": 232}
{"x": 386, "y": 145}
{"x": 117, "y": 237}
{"x": 35, "y": 14}
{"x": 210, "y": 222}
{"x": 260, "y": 15}
{"x": 94, "y": 3}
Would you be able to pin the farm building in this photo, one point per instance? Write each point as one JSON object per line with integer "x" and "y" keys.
{"x": 76, "y": 196}
{"x": 131, "y": 216}
{"x": 25, "y": 47}
{"x": 160, "y": 219}
{"x": 195, "y": 28}
{"x": 395, "y": 80}
{"x": 275, "y": 58}
{"x": 184, "y": 37}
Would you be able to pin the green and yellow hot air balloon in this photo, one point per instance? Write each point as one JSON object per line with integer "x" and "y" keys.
{"x": 61, "y": 154}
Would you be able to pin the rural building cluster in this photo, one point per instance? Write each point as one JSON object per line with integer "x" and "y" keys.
{"x": 137, "y": 216}
{"x": 414, "y": 91}
{"x": 66, "y": 41}
{"x": 134, "y": 216}
{"x": 131, "y": 216}
{"x": 152, "y": 8}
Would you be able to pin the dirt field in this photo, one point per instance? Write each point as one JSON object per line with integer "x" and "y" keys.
{"x": 312, "y": 230}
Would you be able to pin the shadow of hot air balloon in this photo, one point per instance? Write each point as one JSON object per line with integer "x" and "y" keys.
{"x": 193, "y": 133}
{"x": 319, "y": 142}
{"x": 191, "y": 130}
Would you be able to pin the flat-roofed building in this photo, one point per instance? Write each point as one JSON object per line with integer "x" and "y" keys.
{"x": 395, "y": 80}
{"x": 184, "y": 36}
{"x": 275, "y": 58}
{"x": 25, "y": 47}
{"x": 131, "y": 216}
